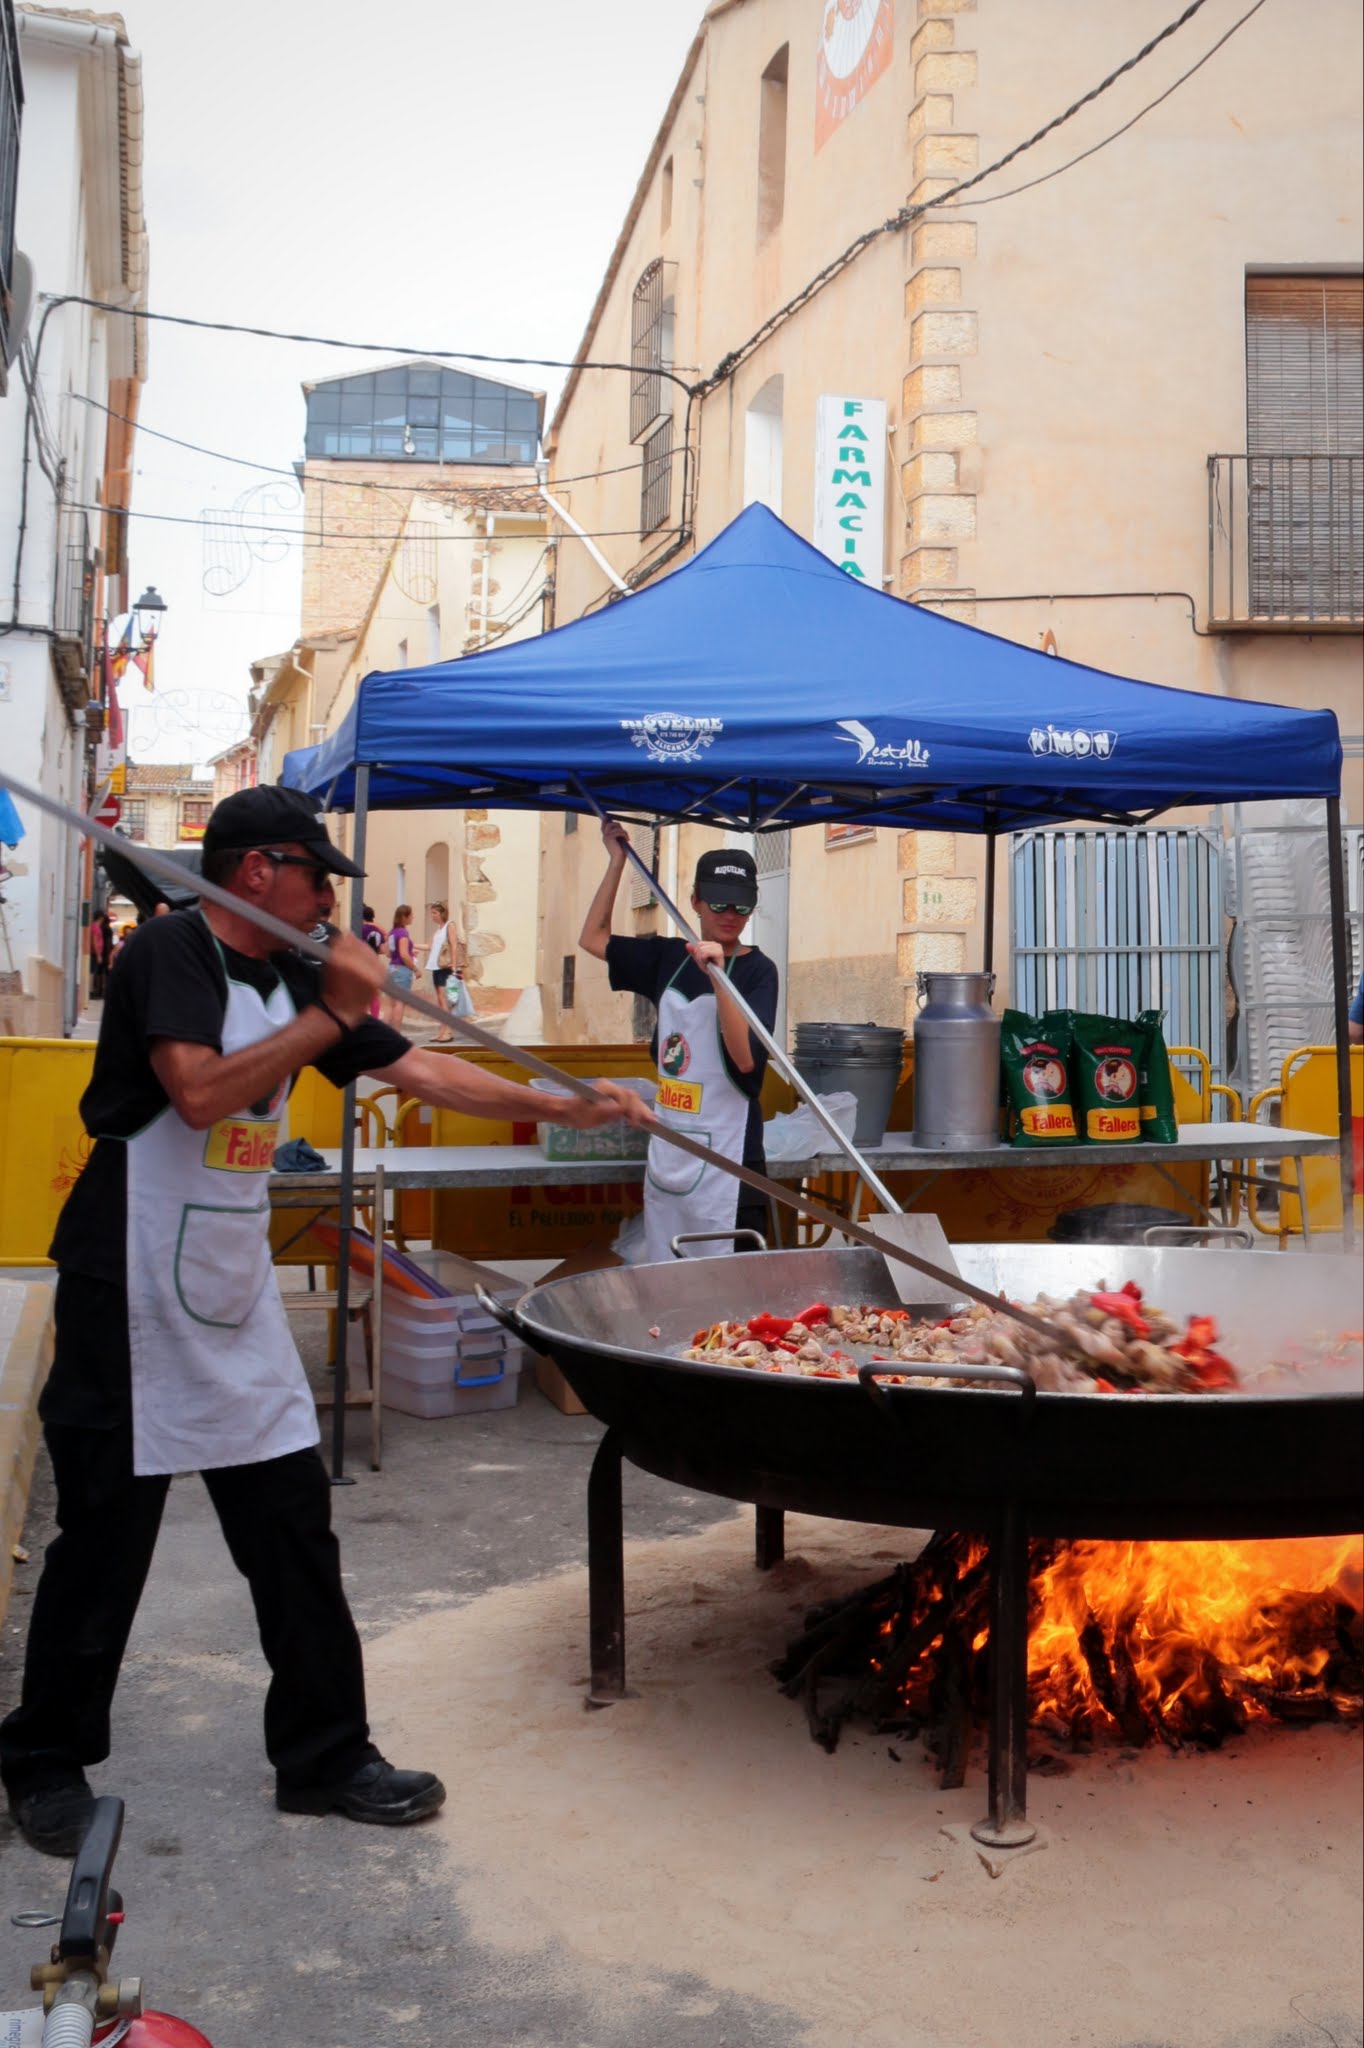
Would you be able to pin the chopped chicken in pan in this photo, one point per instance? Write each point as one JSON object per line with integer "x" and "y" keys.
{"x": 1111, "y": 1343}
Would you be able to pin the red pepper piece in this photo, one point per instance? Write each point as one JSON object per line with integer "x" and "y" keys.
{"x": 766, "y": 1328}
{"x": 821, "y": 1373}
{"x": 818, "y": 1312}
{"x": 1131, "y": 1287}
{"x": 1125, "y": 1309}
{"x": 1105, "y": 1386}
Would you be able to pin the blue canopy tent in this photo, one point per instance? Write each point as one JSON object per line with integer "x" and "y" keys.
{"x": 759, "y": 687}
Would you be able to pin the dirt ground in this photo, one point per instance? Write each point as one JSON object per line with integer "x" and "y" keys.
{"x": 1179, "y": 1901}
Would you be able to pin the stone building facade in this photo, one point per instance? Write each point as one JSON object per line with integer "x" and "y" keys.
{"x": 1067, "y": 353}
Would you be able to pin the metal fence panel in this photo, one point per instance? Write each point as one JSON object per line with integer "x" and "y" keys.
{"x": 1118, "y": 922}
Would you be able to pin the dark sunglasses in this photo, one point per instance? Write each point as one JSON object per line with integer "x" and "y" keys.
{"x": 734, "y": 909}
{"x": 321, "y": 873}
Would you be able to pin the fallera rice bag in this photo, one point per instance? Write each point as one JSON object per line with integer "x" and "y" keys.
{"x": 1106, "y": 1073}
{"x": 1036, "y": 1057}
{"x": 1159, "y": 1124}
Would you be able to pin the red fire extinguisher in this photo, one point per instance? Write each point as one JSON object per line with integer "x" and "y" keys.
{"x": 82, "y": 2006}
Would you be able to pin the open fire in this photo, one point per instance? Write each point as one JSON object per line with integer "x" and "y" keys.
{"x": 1133, "y": 1642}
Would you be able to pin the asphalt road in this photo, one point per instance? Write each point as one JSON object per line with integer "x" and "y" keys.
{"x": 274, "y": 1933}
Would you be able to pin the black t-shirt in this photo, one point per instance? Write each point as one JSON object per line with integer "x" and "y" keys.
{"x": 170, "y": 981}
{"x": 647, "y": 966}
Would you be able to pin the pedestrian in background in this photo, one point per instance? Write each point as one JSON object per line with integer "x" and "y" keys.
{"x": 443, "y": 961}
{"x": 402, "y": 963}
{"x": 376, "y": 938}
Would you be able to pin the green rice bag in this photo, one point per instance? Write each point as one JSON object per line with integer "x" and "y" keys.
{"x": 1106, "y": 1073}
{"x": 1159, "y": 1124}
{"x": 1035, "y": 1055}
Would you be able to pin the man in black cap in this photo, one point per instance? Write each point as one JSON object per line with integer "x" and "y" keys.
{"x": 173, "y": 1352}
{"x": 710, "y": 1065}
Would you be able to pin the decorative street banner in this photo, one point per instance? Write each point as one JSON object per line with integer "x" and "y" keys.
{"x": 850, "y": 485}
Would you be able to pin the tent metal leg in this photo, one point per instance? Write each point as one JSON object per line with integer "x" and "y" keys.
{"x": 988, "y": 947}
{"x": 1340, "y": 989}
{"x": 346, "y": 1196}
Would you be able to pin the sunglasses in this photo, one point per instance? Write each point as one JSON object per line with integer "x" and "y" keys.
{"x": 320, "y": 872}
{"x": 733, "y": 909}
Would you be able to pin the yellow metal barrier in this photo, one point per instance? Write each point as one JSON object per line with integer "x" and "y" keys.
{"x": 43, "y": 1145}
{"x": 1306, "y": 1094}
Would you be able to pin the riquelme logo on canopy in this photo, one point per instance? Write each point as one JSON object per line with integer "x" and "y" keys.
{"x": 667, "y": 736}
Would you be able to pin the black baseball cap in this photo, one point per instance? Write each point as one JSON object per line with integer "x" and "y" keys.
{"x": 270, "y": 816}
{"x": 727, "y": 875}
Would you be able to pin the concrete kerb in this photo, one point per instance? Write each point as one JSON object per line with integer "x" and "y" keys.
{"x": 25, "y": 1355}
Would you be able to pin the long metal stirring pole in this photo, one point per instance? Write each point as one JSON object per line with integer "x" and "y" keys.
{"x": 158, "y": 865}
{"x": 755, "y": 1025}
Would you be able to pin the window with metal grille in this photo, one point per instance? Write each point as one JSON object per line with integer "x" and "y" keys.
{"x": 656, "y": 479}
{"x": 1305, "y": 445}
{"x": 568, "y": 982}
{"x": 133, "y": 817}
{"x": 649, "y": 390}
{"x": 1117, "y": 922}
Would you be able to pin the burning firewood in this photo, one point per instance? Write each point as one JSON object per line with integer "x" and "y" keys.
{"x": 1182, "y": 1643}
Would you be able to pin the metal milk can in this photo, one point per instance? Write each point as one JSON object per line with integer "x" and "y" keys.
{"x": 956, "y": 1063}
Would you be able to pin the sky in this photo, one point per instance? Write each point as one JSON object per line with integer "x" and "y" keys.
{"x": 430, "y": 174}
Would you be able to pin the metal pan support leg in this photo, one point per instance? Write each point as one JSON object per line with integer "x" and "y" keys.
{"x": 1007, "y": 1826}
{"x": 606, "y": 1575}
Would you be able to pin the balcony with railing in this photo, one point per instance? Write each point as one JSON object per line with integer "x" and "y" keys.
{"x": 1286, "y": 543}
{"x": 73, "y": 609}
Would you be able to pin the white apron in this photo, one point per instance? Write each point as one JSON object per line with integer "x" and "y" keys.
{"x": 695, "y": 1095}
{"x": 217, "y": 1379}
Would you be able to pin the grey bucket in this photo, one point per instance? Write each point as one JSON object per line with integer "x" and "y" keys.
{"x": 862, "y": 1059}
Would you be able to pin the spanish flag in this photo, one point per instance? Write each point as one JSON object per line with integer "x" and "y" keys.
{"x": 145, "y": 659}
{"x": 123, "y": 651}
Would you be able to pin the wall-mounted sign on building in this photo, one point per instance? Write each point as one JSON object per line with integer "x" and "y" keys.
{"x": 856, "y": 44}
{"x": 850, "y": 485}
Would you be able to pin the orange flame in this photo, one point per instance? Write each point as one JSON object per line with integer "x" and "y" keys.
{"x": 1185, "y": 1636}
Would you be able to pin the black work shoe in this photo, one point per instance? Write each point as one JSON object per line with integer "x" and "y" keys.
{"x": 54, "y": 1817}
{"x": 377, "y": 1792}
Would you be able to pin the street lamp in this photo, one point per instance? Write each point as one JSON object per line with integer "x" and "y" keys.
{"x": 149, "y": 609}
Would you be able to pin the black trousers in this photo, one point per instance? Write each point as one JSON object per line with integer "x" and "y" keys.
{"x": 276, "y": 1517}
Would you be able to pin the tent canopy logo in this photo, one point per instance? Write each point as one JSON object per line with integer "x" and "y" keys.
{"x": 1076, "y": 745}
{"x": 913, "y": 754}
{"x": 667, "y": 736}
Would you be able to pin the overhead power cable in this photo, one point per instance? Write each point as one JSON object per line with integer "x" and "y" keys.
{"x": 282, "y": 531}
{"x": 989, "y": 198}
{"x": 586, "y": 476}
{"x": 729, "y": 363}
{"x": 378, "y": 348}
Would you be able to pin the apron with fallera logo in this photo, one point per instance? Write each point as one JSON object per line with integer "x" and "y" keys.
{"x": 695, "y": 1095}
{"x": 217, "y": 1378}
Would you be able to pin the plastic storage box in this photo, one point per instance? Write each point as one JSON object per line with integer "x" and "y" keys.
{"x": 612, "y": 1141}
{"x": 446, "y": 1357}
